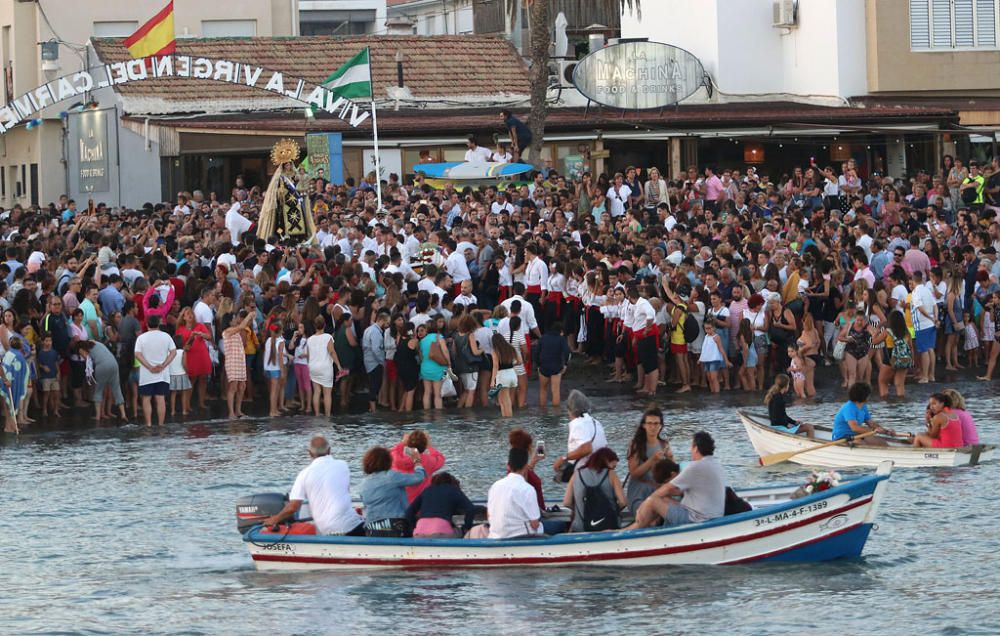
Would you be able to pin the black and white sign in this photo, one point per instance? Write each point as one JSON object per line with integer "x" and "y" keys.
{"x": 92, "y": 152}
{"x": 639, "y": 75}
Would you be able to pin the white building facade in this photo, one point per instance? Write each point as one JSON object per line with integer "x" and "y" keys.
{"x": 819, "y": 56}
{"x": 37, "y": 164}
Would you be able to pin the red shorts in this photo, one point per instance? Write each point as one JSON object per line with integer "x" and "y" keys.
{"x": 64, "y": 367}
{"x": 678, "y": 348}
{"x": 391, "y": 373}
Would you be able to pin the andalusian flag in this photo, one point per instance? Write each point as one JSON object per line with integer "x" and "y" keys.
{"x": 156, "y": 37}
{"x": 353, "y": 79}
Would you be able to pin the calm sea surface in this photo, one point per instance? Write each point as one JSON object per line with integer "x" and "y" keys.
{"x": 130, "y": 531}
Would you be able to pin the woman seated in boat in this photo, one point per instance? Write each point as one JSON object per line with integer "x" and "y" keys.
{"x": 431, "y": 512}
{"x": 520, "y": 438}
{"x": 646, "y": 449}
{"x": 780, "y": 420}
{"x": 970, "y": 434}
{"x": 431, "y": 458}
{"x": 383, "y": 492}
{"x": 944, "y": 430}
{"x": 854, "y": 418}
{"x": 597, "y": 481}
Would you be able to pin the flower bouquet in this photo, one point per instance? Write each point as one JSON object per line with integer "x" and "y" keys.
{"x": 818, "y": 482}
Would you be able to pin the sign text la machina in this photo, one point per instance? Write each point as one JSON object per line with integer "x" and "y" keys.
{"x": 76, "y": 85}
{"x": 638, "y": 75}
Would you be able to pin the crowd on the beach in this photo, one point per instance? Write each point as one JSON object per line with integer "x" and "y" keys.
{"x": 716, "y": 279}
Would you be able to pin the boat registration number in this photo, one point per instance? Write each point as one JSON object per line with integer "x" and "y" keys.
{"x": 277, "y": 546}
{"x": 790, "y": 514}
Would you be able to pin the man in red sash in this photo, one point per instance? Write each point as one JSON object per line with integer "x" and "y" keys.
{"x": 642, "y": 319}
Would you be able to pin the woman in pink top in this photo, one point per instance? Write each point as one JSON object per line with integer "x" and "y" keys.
{"x": 943, "y": 428}
{"x": 431, "y": 459}
{"x": 161, "y": 308}
{"x": 970, "y": 435}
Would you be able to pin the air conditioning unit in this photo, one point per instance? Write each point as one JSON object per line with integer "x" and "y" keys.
{"x": 785, "y": 13}
{"x": 566, "y": 68}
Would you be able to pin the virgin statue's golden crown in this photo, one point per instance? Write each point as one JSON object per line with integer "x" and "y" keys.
{"x": 284, "y": 151}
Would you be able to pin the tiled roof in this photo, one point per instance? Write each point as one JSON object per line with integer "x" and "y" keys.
{"x": 778, "y": 114}
{"x": 433, "y": 66}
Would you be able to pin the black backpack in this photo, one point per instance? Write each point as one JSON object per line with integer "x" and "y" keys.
{"x": 599, "y": 512}
{"x": 691, "y": 329}
{"x": 969, "y": 195}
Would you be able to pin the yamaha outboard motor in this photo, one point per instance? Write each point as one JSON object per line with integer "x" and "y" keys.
{"x": 253, "y": 509}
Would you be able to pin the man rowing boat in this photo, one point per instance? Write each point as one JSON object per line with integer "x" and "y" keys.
{"x": 854, "y": 418}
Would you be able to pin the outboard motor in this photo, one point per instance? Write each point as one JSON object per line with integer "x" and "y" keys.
{"x": 253, "y": 509}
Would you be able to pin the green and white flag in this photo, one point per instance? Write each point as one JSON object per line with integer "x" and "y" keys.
{"x": 352, "y": 80}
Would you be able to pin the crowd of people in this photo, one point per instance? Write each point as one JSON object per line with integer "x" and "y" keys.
{"x": 716, "y": 280}
{"x": 406, "y": 493}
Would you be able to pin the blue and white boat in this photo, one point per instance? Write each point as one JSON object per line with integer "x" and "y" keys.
{"x": 469, "y": 170}
{"x": 827, "y": 525}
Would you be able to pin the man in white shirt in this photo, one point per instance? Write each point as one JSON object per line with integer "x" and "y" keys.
{"x": 586, "y": 434}
{"x": 642, "y": 319}
{"x": 154, "y": 350}
{"x": 326, "y": 484}
{"x": 512, "y": 505}
{"x": 203, "y": 311}
{"x": 476, "y": 153}
{"x": 502, "y": 204}
{"x": 536, "y": 277}
{"x": 618, "y": 195}
{"x": 527, "y": 311}
{"x": 457, "y": 265}
{"x": 923, "y": 311}
{"x": 466, "y": 297}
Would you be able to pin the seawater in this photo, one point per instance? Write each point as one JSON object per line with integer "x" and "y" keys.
{"x": 133, "y": 531}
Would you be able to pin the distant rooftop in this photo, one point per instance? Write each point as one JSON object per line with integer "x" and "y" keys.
{"x": 468, "y": 70}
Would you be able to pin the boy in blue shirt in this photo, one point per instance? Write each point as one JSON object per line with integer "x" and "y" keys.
{"x": 48, "y": 377}
{"x": 854, "y": 418}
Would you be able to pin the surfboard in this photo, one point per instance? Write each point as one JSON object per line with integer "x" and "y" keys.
{"x": 458, "y": 170}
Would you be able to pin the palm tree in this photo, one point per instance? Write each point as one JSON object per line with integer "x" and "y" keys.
{"x": 539, "y": 38}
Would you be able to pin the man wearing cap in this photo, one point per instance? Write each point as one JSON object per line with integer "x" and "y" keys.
{"x": 326, "y": 484}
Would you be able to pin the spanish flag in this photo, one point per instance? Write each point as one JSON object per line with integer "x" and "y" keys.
{"x": 156, "y": 37}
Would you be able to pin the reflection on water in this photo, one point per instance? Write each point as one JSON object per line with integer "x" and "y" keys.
{"x": 111, "y": 530}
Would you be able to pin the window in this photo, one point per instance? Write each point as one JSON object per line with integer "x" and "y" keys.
{"x": 228, "y": 28}
{"x": 119, "y": 29}
{"x": 953, "y": 24}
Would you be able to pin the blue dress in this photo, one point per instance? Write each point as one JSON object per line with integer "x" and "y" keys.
{"x": 430, "y": 370}
{"x": 15, "y": 368}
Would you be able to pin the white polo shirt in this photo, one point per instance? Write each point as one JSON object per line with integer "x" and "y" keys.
{"x": 642, "y": 311}
{"x": 155, "y": 346}
{"x": 582, "y": 430}
{"x": 326, "y": 484}
{"x": 512, "y": 504}
{"x": 617, "y": 200}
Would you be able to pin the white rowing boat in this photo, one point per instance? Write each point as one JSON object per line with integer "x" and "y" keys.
{"x": 826, "y": 525}
{"x": 768, "y": 440}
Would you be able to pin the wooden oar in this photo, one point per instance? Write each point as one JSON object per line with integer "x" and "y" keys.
{"x": 777, "y": 458}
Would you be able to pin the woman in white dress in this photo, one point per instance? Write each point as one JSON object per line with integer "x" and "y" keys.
{"x": 322, "y": 358}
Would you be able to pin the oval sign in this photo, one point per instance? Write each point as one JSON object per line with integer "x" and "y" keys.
{"x": 638, "y": 75}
